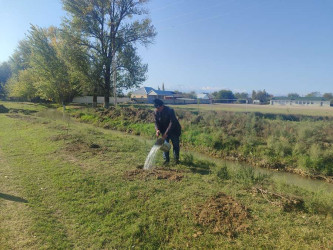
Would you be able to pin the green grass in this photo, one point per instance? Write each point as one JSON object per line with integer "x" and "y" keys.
{"x": 78, "y": 195}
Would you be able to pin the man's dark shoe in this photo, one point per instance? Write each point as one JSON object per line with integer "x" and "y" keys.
{"x": 166, "y": 163}
{"x": 177, "y": 162}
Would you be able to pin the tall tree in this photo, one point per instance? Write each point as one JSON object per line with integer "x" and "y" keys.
{"x": 53, "y": 60}
{"x": 109, "y": 28}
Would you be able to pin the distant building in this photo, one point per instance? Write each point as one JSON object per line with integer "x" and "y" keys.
{"x": 148, "y": 94}
{"x": 160, "y": 94}
{"x": 141, "y": 93}
{"x": 257, "y": 102}
{"x": 300, "y": 101}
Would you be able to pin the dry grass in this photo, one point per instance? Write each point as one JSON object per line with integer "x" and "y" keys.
{"x": 311, "y": 111}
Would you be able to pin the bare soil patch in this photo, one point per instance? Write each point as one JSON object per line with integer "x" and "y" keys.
{"x": 81, "y": 146}
{"x": 224, "y": 214}
{"x": 158, "y": 174}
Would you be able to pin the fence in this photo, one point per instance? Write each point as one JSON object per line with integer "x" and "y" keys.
{"x": 100, "y": 99}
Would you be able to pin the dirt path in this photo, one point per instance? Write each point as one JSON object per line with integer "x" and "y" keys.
{"x": 14, "y": 211}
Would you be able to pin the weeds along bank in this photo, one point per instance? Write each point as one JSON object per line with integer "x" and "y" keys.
{"x": 302, "y": 144}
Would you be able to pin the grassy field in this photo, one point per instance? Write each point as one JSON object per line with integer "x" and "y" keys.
{"x": 287, "y": 110}
{"x": 71, "y": 185}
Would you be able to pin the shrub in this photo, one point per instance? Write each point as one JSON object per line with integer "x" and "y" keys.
{"x": 3, "y": 109}
{"x": 223, "y": 173}
{"x": 247, "y": 176}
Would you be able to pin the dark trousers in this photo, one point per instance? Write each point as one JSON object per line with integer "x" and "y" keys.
{"x": 175, "y": 145}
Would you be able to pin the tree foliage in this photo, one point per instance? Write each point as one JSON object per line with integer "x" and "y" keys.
{"x": 293, "y": 95}
{"x": 47, "y": 65}
{"x": 261, "y": 95}
{"x": 5, "y": 74}
{"x": 110, "y": 33}
{"x": 314, "y": 94}
{"x": 243, "y": 95}
{"x": 328, "y": 96}
{"x": 191, "y": 94}
{"x": 22, "y": 86}
{"x": 224, "y": 95}
{"x": 54, "y": 61}
{"x": 20, "y": 60}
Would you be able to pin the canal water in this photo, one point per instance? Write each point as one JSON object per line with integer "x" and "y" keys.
{"x": 280, "y": 176}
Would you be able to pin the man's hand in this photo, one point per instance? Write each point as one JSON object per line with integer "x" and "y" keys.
{"x": 164, "y": 136}
{"x": 158, "y": 133}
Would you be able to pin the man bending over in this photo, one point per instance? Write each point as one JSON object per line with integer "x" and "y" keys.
{"x": 167, "y": 125}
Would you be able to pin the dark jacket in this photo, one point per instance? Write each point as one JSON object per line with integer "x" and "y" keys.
{"x": 163, "y": 120}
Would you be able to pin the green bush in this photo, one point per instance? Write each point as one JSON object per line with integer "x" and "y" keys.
{"x": 223, "y": 173}
{"x": 248, "y": 177}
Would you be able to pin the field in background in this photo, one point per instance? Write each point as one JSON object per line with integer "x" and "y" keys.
{"x": 311, "y": 111}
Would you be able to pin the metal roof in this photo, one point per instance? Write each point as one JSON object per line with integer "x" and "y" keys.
{"x": 143, "y": 91}
{"x": 161, "y": 92}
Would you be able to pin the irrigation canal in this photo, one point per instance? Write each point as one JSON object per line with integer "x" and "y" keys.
{"x": 285, "y": 177}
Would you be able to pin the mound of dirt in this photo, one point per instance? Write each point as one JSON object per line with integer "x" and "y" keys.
{"x": 3, "y": 109}
{"x": 224, "y": 214}
{"x": 129, "y": 113}
{"x": 159, "y": 174}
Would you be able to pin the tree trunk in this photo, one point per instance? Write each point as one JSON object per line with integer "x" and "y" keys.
{"x": 94, "y": 100}
{"x": 107, "y": 98}
{"x": 107, "y": 78}
{"x": 115, "y": 81}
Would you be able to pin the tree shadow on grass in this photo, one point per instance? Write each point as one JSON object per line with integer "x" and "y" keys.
{"x": 12, "y": 198}
{"x": 197, "y": 166}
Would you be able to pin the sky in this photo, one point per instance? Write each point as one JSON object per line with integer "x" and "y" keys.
{"x": 282, "y": 46}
